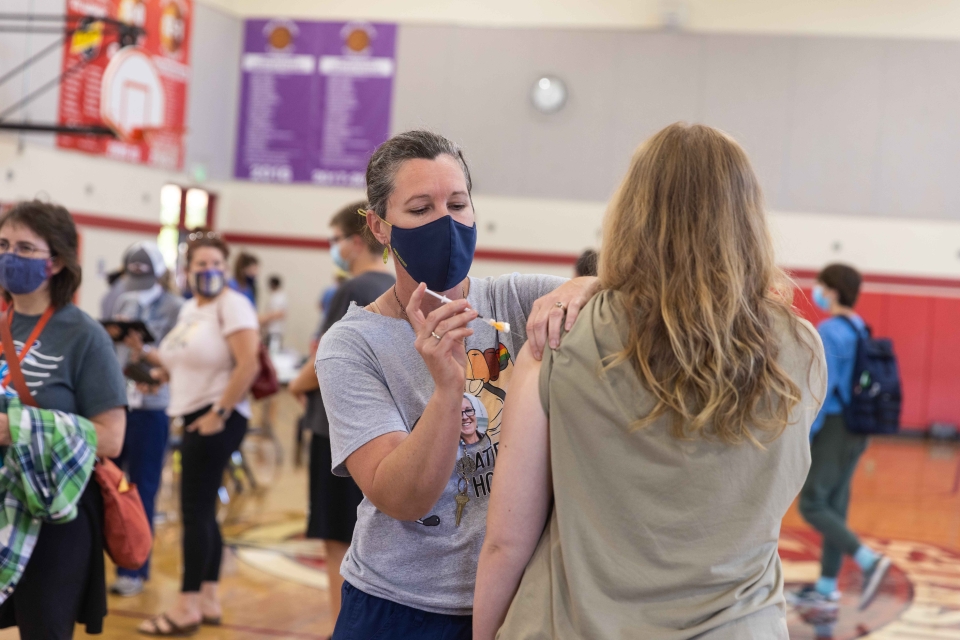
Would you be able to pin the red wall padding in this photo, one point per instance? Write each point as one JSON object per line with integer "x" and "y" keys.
{"x": 926, "y": 335}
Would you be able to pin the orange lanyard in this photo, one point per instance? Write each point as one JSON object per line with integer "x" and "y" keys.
{"x": 31, "y": 340}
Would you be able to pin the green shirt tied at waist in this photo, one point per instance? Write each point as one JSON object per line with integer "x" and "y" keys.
{"x": 44, "y": 473}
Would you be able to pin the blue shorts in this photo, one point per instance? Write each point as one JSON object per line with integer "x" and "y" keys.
{"x": 366, "y": 617}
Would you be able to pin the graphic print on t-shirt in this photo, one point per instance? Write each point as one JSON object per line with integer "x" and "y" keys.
{"x": 488, "y": 376}
{"x": 37, "y": 367}
{"x": 181, "y": 335}
{"x": 484, "y": 457}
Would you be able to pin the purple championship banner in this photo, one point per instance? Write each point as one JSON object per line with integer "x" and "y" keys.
{"x": 314, "y": 100}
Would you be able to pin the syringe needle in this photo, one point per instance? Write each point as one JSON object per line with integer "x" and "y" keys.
{"x": 496, "y": 324}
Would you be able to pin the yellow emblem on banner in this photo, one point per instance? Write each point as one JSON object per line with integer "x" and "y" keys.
{"x": 88, "y": 38}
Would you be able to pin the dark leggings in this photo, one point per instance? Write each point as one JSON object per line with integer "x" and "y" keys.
{"x": 204, "y": 459}
{"x": 825, "y": 496}
{"x": 49, "y": 597}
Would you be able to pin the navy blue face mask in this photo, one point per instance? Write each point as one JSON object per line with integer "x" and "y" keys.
{"x": 20, "y": 275}
{"x": 440, "y": 253}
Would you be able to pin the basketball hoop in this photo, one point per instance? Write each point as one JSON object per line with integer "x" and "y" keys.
{"x": 149, "y": 134}
{"x": 132, "y": 98}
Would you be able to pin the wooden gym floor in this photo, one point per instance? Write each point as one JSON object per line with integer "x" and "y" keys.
{"x": 273, "y": 586}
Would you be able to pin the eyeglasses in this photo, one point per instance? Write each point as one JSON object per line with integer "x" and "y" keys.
{"x": 22, "y": 249}
{"x": 203, "y": 235}
{"x": 468, "y": 413}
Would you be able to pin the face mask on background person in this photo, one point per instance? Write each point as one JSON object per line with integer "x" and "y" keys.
{"x": 208, "y": 283}
{"x": 439, "y": 253}
{"x": 143, "y": 267}
{"x": 20, "y": 275}
{"x": 338, "y": 259}
{"x": 820, "y": 298}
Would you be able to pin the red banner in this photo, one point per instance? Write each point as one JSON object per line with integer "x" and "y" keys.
{"x": 140, "y": 91}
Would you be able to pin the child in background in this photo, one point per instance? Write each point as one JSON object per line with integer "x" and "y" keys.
{"x": 834, "y": 450}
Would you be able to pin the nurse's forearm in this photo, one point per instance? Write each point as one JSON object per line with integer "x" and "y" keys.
{"x": 404, "y": 475}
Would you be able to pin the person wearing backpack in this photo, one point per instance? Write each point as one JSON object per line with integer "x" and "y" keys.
{"x": 835, "y": 449}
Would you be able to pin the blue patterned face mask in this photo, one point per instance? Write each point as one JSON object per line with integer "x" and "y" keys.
{"x": 19, "y": 275}
{"x": 208, "y": 283}
{"x": 440, "y": 253}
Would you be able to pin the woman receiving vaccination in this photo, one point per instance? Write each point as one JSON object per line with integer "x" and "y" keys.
{"x": 654, "y": 454}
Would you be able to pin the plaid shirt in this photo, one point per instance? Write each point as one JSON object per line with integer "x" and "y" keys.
{"x": 44, "y": 473}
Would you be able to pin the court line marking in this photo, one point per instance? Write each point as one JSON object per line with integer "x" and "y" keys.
{"x": 283, "y": 567}
{"x": 231, "y": 627}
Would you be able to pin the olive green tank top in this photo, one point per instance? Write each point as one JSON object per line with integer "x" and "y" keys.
{"x": 652, "y": 537}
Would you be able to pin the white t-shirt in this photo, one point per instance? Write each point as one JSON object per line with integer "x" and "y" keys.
{"x": 277, "y": 302}
{"x": 197, "y": 355}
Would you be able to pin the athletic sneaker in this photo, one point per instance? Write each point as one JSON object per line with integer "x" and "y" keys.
{"x": 813, "y": 607}
{"x": 127, "y": 587}
{"x": 823, "y": 631}
{"x": 873, "y": 579}
{"x": 809, "y": 597}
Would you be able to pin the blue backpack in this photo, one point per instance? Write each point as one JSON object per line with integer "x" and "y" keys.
{"x": 876, "y": 397}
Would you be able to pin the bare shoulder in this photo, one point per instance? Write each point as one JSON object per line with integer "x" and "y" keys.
{"x": 526, "y": 364}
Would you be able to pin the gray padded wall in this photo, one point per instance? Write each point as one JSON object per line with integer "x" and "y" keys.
{"x": 834, "y": 125}
{"x": 919, "y": 163}
{"x": 214, "y": 91}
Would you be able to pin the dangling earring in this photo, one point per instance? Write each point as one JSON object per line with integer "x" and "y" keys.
{"x": 386, "y": 254}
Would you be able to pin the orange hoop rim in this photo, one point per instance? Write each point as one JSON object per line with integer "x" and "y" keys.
{"x": 145, "y": 134}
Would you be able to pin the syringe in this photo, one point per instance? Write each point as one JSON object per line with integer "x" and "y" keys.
{"x": 496, "y": 324}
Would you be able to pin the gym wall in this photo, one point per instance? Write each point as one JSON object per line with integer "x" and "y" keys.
{"x": 853, "y": 135}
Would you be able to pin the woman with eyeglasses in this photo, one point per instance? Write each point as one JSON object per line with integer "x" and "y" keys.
{"x": 470, "y": 432}
{"x": 69, "y": 365}
{"x": 210, "y": 360}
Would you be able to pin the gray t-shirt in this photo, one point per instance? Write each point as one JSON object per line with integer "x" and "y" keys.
{"x": 71, "y": 367}
{"x": 375, "y": 382}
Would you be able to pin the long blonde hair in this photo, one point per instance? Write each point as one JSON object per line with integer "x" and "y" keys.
{"x": 686, "y": 246}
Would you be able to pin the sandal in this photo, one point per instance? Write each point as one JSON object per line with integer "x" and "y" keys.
{"x": 210, "y": 621}
{"x": 175, "y": 630}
